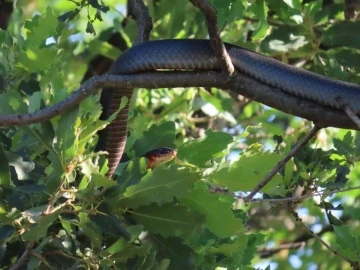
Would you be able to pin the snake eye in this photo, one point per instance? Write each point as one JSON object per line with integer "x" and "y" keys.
{"x": 159, "y": 156}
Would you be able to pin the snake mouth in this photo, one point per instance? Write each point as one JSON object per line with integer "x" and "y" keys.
{"x": 159, "y": 156}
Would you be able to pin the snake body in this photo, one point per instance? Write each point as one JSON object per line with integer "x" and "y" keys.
{"x": 192, "y": 54}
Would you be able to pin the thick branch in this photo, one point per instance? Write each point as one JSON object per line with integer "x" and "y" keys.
{"x": 323, "y": 116}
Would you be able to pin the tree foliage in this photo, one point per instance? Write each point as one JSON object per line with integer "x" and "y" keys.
{"x": 58, "y": 208}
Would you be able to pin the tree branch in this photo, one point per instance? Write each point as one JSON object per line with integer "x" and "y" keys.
{"x": 299, "y": 241}
{"x": 354, "y": 265}
{"x": 298, "y": 198}
{"x": 323, "y": 116}
{"x": 301, "y": 143}
{"x": 217, "y": 45}
{"x": 268, "y": 252}
{"x": 140, "y": 13}
{"x": 22, "y": 260}
{"x": 352, "y": 116}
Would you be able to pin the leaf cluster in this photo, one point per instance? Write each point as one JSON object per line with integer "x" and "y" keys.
{"x": 184, "y": 214}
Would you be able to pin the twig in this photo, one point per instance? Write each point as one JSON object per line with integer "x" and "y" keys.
{"x": 282, "y": 162}
{"x": 267, "y": 252}
{"x": 299, "y": 241}
{"x": 42, "y": 260}
{"x": 61, "y": 253}
{"x": 290, "y": 199}
{"x": 217, "y": 45}
{"x": 24, "y": 257}
{"x": 354, "y": 265}
{"x": 140, "y": 13}
{"x": 352, "y": 116}
{"x": 270, "y": 22}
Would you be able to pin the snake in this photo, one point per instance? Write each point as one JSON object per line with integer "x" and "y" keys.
{"x": 197, "y": 54}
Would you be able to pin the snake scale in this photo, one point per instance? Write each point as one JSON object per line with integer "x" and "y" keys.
{"x": 194, "y": 54}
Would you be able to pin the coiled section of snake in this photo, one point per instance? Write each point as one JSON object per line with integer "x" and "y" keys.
{"x": 198, "y": 55}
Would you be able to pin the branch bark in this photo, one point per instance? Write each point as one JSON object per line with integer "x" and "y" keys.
{"x": 322, "y": 116}
{"x": 139, "y": 11}
{"x": 24, "y": 257}
{"x": 217, "y": 45}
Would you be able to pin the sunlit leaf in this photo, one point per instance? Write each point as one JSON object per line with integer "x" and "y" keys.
{"x": 219, "y": 217}
{"x": 168, "y": 219}
{"x": 161, "y": 185}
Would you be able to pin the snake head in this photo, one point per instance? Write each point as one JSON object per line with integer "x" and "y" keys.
{"x": 159, "y": 156}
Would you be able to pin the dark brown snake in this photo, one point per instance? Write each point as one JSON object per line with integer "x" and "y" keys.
{"x": 192, "y": 55}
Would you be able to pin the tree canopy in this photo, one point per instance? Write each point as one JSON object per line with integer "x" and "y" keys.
{"x": 58, "y": 210}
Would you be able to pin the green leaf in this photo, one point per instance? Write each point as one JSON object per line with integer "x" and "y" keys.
{"x": 342, "y": 34}
{"x": 161, "y": 185}
{"x": 118, "y": 246}
{"x": 6, "y": 231}
{"x": 228, "y": 248}
{"x": 34, "y": 263}
{"x": 163, "y": 265}
{"x": 31, "y": 59}
{"x": 181, "y": 256}
{"x": 219, "y": 216}
{"x": 176, "y": 21}
{"x": 333, "y": 220}
{"x": 4, "y": 169}
{"x": 330, "y": 206}
{"x": 221, "y": 100}
{"x": 295, "y": 4}
{"x": 39, "y": 230}
{"x": 5, "y": 107}
{"x": 349, "y": 244}
{"x": 90, "y": 230}
{"x": 344, "y": 146}
{"x": 228, "y": 11}
{"x": 31, "y": 189}
{"x": 347, "y": 57}
{"x": 121, "y": 244}
{"x": 149, "y": 261}
{"x": 66, "y": 134}
{"x": 55, "y": 171}
{"x": 162, "y": 135}
{"x": 40, "y": 28}
{"x": 245, "y": 254}
{"x": 102, "y": 181}
{"x": 246, "y": 173}
{"x": 260, "y": 10}
{"x": 110, "y": 225}
{"x": 168, "y": 219}
{"x": 133, "y": 173}
{"x": 210, "y": 146}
